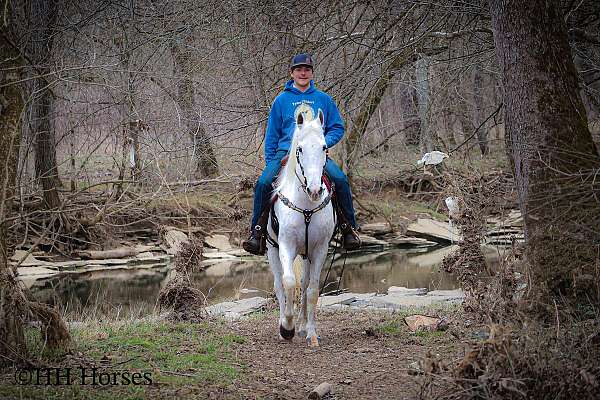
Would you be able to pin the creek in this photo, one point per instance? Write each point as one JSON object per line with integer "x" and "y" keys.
{"x": 133, "y": 292}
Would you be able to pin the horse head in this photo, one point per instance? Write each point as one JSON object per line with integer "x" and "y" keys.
{"x": 311, "y": 154}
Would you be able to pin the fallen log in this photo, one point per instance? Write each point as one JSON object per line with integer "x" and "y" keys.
{"x": 104, "y": 254}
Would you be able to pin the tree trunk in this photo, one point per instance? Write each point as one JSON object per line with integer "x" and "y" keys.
{"x": 462, "y": 114}
{"x": 130, "y": 118}
{"x": 369, "y": 106}
{"x": 45, "y": 146}
{"x": 203, "y": 153}
{"x": 12, "y": 338}
{"x": 14, "y": 305}
{"x": 478, "y": 99}
{"x": 46, "y": 169}
{"x": 555, "y": 157}
{"x": 427, "y": 142}
{"x": 408, "y": 101}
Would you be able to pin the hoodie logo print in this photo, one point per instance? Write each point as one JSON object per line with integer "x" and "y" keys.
{"x": 306, "y": 110}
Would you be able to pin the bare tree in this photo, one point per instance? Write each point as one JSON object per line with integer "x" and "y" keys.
{"x": 556, "y": 161}
{"x": 14, "y": 304}
{"x": 182, "y": 51}
{"x": 12, "y": 338}
{"x": 42, "y": 14}
{"x": 479, "y": 105}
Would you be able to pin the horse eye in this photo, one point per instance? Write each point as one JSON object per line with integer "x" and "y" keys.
{"x": 299, "y": 149}
{"x": 324, "y": 147}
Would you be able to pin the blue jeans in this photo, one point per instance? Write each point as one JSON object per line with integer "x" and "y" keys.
{"x": 264, "y": 188}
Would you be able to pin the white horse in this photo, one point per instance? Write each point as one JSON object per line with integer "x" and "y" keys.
{"x": 306, "y": 223}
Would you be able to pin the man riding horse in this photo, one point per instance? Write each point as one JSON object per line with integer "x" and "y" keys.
{"x": 300, "y": 96}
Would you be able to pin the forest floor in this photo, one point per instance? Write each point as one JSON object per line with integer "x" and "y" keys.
{"x": 363, "y": 355}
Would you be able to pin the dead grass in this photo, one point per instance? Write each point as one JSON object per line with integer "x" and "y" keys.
{"x": 525, "y": 360}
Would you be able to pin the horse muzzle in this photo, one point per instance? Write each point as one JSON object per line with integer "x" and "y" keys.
{"x": 315, "y": 194}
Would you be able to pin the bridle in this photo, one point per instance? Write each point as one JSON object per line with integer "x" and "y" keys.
{"x": 307, "y": 213}
{"x": 303, "y": 180}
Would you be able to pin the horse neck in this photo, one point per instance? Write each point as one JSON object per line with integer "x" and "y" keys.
{"x": 290, "y": 185}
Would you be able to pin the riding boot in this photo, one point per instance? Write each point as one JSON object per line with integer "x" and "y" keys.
{"x": 350, "y": 238}
{"x": 257, "y": 242}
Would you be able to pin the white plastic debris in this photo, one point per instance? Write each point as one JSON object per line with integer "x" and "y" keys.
{"x": 453, "y": 212}
{"x": 453, "y": 208}
{"x": 432, "y": 158}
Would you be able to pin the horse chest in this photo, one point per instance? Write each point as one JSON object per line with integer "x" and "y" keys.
{"x": 292, "y": 225}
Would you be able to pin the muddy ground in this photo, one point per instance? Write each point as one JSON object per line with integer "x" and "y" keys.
{"x": 364, "y": 355}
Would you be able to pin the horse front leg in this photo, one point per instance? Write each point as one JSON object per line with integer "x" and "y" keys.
{"x": 302, "y": 316}
{"x": 312, "y": 294}
{"x": 286, "y": 320}
{"x": 277, "y": 270}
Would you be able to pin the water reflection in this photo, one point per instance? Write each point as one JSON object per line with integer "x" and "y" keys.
{"x": 134, "y": 292}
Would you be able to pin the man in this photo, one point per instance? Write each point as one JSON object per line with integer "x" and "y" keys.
{"x": 300, "y": 96}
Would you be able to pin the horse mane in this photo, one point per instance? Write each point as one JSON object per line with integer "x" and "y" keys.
{"x": 287, "y": 175}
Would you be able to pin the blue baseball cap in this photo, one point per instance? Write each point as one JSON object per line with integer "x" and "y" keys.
{"x": 302, "y": 59}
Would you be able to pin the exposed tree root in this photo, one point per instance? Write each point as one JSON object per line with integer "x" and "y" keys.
{"x": 187, "y": 303}
{"x": 15, "y": 310}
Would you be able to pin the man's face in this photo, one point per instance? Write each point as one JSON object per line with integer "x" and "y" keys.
{"x": 302, "y": 76}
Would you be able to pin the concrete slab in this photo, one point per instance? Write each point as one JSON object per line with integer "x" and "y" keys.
{"x": 234, "y": 310}
{"x": 220, "y": 242}
{"x": 403, "y": 291}
{"x": 436, "y": 230}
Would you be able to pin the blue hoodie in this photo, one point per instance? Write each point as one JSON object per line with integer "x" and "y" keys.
{"x": 287, "y": 105}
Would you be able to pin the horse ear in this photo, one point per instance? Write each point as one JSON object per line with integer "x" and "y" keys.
{"x": 300, "y": 119}
{"x": 321, "y": 117}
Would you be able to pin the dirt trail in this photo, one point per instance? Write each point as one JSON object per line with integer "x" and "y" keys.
{"x": 356, "y": 357}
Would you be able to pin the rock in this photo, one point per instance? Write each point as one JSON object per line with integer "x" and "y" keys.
{"x": 29, "y": 260}
{"x": 19, "y": 254}
{"x": 237, "y": 252}
{"x": 146, "y": 255}
{"x": 217, "y": 254}
{"x": 423, "y": 322}
{"x": 38, "y": 272}
{"x": 410, "y": 241}
{"x": 430, "y": 228}
{"x": 504, "y": 232}
{"x": 414, "y": 368}
{"x": 220, "y": 242}
{"x": 514, "y": 218}
{"x": 320, "y": 391}
{"x": 250, "y": 291}
{"x": 402, "y": 298}
{"x": 174, "y": 240}
{"x": 371, "y": 241}
{"x": 402, "y": 291}
{"x": 375, "y": 229}
{"x": 143, "y": 248}
{"x": 325, "y": 301}
{"x": 234, "y": 310}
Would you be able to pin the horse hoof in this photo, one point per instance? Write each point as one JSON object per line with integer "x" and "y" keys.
{"x": 285, "y": 333}
{"x": 313, "y": 341}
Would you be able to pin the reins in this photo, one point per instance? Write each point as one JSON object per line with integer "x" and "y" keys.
{"x": 304, "y": 184}
{"x": 305, "y": 212}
